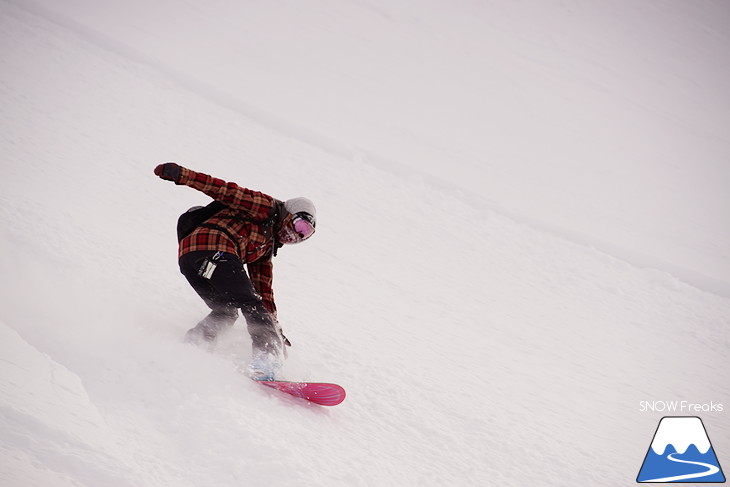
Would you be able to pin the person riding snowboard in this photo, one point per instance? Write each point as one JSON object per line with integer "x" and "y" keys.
{"x": 249, "y": 229}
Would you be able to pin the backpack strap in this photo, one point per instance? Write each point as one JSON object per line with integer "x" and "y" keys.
{"x": 274, "y": 222}
{"x": 276, "y": 216}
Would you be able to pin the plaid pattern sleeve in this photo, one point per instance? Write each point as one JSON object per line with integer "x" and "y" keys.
{"x": 256, "y": 204}
{"x": 262, "y": 277}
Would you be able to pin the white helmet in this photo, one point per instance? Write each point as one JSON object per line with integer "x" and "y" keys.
{"x": 302, "y": 205}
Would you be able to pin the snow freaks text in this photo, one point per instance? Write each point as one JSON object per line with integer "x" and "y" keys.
{"x": 680, "y": 407}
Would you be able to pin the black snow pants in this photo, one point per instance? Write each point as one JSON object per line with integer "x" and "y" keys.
{"x": 221, "y": 280}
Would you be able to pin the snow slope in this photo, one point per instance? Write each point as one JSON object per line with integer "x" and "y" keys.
{"x": 450, "y": 291}
{"x": 619, "y": 105}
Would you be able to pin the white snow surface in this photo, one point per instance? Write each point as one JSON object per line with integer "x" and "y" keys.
{"x": 523, "y": 221}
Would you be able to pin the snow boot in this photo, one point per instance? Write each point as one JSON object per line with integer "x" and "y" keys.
{"x": 264, "y": 365}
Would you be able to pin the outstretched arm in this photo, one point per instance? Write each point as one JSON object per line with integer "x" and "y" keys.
{"x": 257, "y": 205}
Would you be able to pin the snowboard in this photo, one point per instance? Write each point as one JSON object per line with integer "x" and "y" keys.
{"x": 321, "y": 393}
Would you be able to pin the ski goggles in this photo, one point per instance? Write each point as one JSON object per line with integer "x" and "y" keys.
{"x": 303, "y": 225}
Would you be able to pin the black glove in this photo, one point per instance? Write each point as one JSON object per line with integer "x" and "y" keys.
{"x": 169, "y": 171}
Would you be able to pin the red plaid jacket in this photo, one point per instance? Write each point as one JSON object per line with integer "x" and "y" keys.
{"x": 254, "y": 243}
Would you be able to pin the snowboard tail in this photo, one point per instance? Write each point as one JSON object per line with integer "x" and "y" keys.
{"x": 321, "y": 393}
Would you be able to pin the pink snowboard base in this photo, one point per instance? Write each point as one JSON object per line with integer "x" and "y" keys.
{"x": 317, "y": 392}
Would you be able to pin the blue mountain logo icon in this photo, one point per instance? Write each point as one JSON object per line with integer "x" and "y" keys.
{"x": 680, "y": 452}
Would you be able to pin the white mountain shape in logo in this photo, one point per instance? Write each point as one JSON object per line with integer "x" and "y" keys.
{"x": 681, "y": 432}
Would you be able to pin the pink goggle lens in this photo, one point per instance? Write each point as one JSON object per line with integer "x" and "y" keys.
{"x": 303, "y": 227}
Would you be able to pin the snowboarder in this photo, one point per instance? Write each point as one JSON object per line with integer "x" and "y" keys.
{"x": 249, "y": 230}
